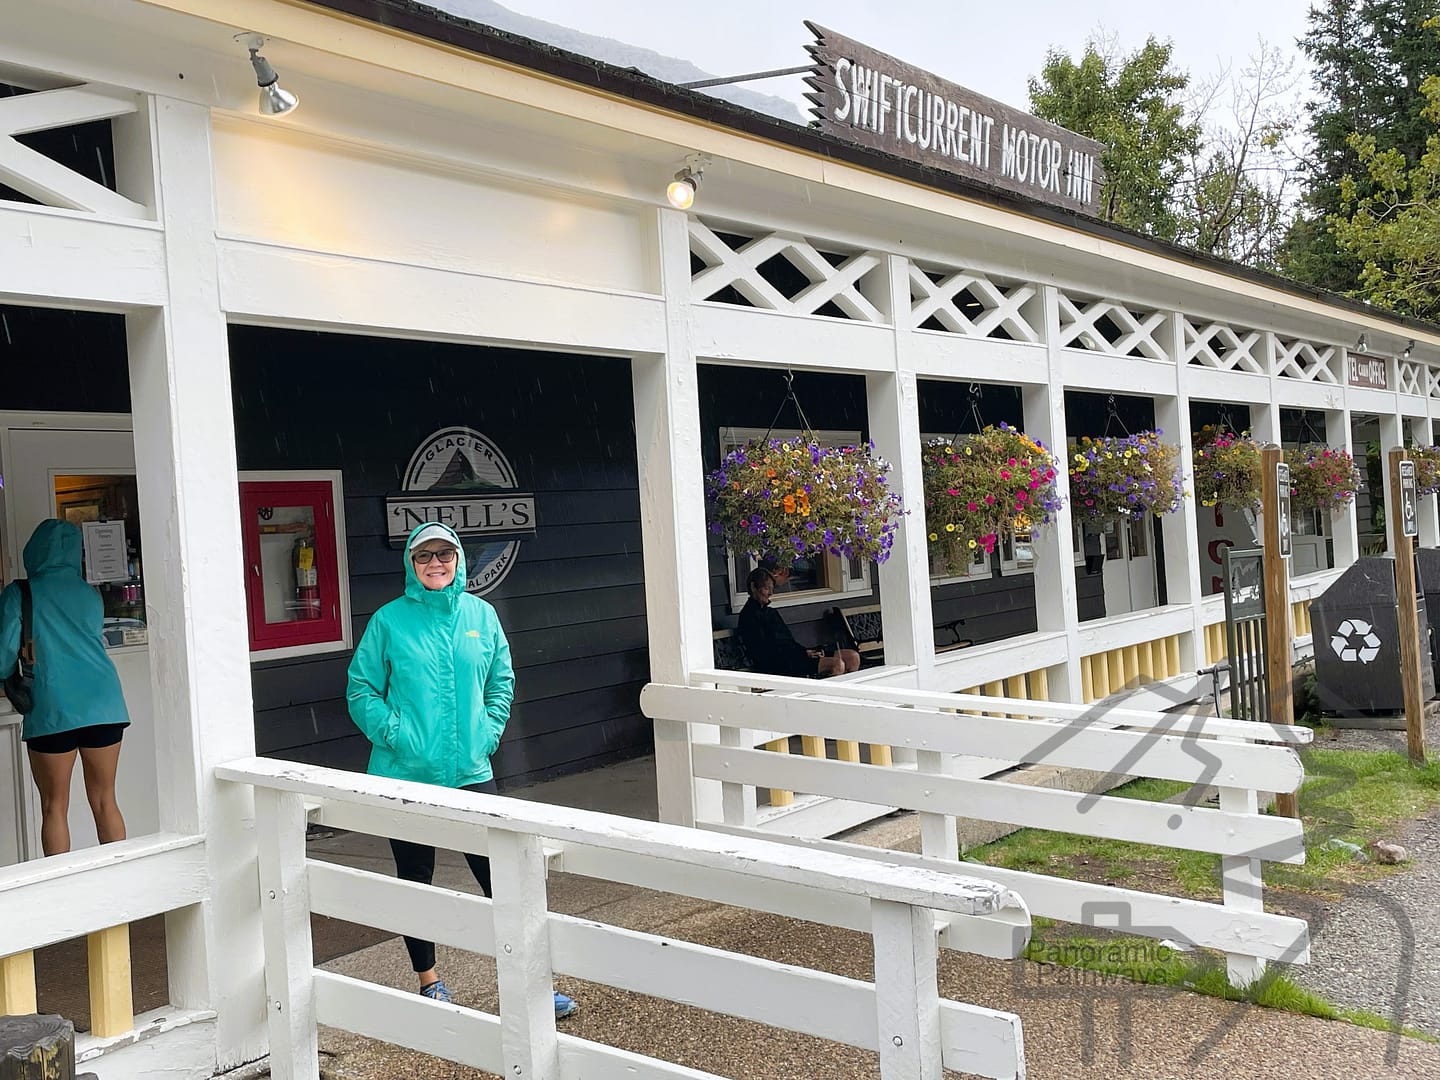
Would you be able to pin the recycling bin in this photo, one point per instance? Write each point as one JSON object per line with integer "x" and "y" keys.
{"x": 1357, "y": 642}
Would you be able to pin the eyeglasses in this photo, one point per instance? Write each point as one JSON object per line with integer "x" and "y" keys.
{"x": 445, "y": 555}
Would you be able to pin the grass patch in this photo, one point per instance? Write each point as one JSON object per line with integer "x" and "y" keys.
{"x": 1145, "y": 961}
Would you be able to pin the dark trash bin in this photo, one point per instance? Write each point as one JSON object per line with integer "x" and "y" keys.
{"x": 1427, "y": 573}
{"x": 1357, "y": 642}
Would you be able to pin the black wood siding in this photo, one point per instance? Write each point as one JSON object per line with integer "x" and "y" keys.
{"x": 572, "y": 605}
{"x": 52, "y": 360}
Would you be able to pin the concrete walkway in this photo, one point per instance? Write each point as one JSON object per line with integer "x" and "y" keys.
{"x": 1074, "y": 1025}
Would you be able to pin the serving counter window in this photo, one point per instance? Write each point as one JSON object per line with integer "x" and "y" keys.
{"x": 295, "y": 578}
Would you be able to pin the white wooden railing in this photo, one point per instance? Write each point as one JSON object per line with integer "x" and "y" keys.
{"x": 944, "y": 728}
{"x": 901, "y": 1016}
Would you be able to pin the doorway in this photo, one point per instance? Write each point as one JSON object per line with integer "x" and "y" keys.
{"x": 1129, "y": 571}
{"x": 87, "y": 475}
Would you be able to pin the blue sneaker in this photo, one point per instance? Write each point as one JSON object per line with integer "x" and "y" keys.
{"x": 436, "y": 991}
{"x": 564, "y": 1006}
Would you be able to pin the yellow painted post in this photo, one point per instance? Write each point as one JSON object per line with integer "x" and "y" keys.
{"x": 845, "y": 750}
{"x": 112, "y": 1009}
{"x": 1159, "y": 662}
{"x": 995, "y": 689}
{"x": 779, "y": 796}
{"x": 880, "y": 755}
{"x": 1130, "y": 664}
{"x": 1115, "y": 658}
{"x": 1100, "y": 668}
{"x": 812, "y": 746}
{"x": 1172, "y": 654}
{"x": 1087, "y": 681}
{"x": 1015, "y": 688}
{"x": 1144, "y": 663}
{"x": 17, "y": 985}
{"x": 1040, "y": 685}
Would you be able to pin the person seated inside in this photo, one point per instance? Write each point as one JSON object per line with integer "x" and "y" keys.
{"x": 770, "y": 646}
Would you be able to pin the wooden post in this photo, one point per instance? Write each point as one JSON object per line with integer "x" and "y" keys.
{"x": 522, "y": 957}
{"x": 285, "y": 924}
{"x": 1280, "y": 677}
{"x": 112, "y": 1008}
{"x": 1404, "y": 526}
{"x": 17, "y": 984}
{"x": 38, "y": 1048}
{"x": 906, "y": 991}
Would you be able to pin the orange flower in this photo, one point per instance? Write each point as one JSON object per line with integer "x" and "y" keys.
{"x": 789, "y": 504}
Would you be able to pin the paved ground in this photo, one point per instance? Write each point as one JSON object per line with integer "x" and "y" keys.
{"x": 1377, "y": 950}
{"x": 1085, "y": 1030}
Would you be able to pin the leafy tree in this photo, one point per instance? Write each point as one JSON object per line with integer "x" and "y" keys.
{"x": 1389, "y": 219}
{"x": 1132, "y": 104}
{"x": 1370, "y": 59}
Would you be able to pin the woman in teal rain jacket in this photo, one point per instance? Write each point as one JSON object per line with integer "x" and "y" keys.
{"x": 79, "y": 708}
{"x": 431, "y": 686}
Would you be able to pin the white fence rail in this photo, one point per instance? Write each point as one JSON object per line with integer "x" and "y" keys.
{"x": 941, "y": 728}
{"x": 900, "y": 1016}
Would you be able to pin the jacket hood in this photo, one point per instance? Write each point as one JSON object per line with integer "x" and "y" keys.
{"x": 447, "y": 597}
{"x": 54, "y": 545}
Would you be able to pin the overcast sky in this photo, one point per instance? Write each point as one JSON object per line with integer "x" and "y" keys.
{"x": 989, "y": 47}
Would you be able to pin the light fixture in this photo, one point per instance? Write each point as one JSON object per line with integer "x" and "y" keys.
{"x": 681, "y": 190}
{"x": 273, "y": 100}
{"x": 1363, "y": 345}
{"x": 1409, "y": 348}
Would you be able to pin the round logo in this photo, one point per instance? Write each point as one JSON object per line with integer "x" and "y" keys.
{"x": 1355, "y": 639}
{"x": 462, "y": 459}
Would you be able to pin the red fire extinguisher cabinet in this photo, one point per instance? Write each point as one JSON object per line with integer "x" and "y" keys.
{"x": 277, "y": 517}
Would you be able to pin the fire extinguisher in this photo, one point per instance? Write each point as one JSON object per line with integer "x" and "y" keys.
{"x": 307, "y": 579}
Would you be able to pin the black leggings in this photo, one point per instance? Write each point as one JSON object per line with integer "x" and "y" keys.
{"x": 416, "y": 862}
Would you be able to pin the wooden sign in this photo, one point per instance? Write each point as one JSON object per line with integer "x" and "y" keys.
{"x": 1409, "y": 518}
{"x": 1369, "y": 372}
{"x": 508, "y": 515}
{"x": 865, "y": 96}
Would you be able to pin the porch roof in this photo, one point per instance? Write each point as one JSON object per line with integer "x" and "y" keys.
{"x": 423, "y": 20}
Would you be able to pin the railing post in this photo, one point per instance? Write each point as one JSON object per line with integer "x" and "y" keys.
{"x": 1241, "y": 884}
{"x": 285, "y": 922}
{"x": 737, "y": 801}
{"x": 522, "y": 957}
{"x": 17, "y": 984}
{"x": 907, "y": 996}
{"x": 112, "y": 1006}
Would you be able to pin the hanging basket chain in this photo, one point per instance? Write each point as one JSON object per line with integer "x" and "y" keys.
{"x": 1112, "y": 416}
{"x": 789, "y": 399}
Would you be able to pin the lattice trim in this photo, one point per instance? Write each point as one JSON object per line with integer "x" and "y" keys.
{"x": 830, "y": 284}
{"x": 1412, "y": 377}
{"x": 1432, "y": 382}
{"x": 968, "y": 303}
{"x": 1215, "y": 345}
{"x": 1108, "y": 326}
{"x": 48, "y": 182}
{"x": 1307, "y": 362}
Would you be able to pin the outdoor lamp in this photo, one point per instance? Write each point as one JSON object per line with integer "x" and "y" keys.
{"x": 1363, "y": 345}
{"x": 681, "y": 191}
{"x": 274, "y": 101}
{"x": 1409, "y": 348}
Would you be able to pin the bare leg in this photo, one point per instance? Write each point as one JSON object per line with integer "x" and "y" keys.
{"x": 99, "y": 765}
{"x": 829, "y": 665}
{"x": 851, "y": 659}
{"x": 52, "y": 777}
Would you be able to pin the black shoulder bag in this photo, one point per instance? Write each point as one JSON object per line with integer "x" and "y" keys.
{"x": 20, "y": 684}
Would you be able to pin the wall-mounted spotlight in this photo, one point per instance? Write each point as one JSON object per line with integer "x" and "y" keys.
{"x": 273, "y": 100}
{"x": 1409, "y": 348}
{"x": 1363, "y": 345}
{"x": 681, "y": 190}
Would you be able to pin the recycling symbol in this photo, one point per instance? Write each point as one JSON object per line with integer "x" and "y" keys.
{"x": 1353, "y": 640}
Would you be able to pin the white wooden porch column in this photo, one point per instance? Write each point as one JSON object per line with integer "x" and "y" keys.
{"x": 195, "y": 600}
{"x": 893, "y": 410}
{"x": 672, "y": 526}
{"x": 1418, "y": 430}
{"x": 1180, "y": 529}
{"x": 1057, "y": 606}
{"x": 1344, "y": 526}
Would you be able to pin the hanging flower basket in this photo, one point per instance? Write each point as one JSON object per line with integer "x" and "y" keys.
{"x": 1227, "y": 469}
{"x": 1427, "y": 469}
{"x": 1322, "y": 478}
{"x": 789, "y": 498}
{"x": 1133, "y": 474}
{"x": 977, "y": 487}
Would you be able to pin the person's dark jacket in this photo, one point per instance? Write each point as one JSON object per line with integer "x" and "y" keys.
{"x": 769, "y": 645}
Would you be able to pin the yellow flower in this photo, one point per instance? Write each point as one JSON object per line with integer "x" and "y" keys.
{"x": 934, "y": 537}
{"x": 950, "y": 528}
{"x": 968, "y": 451}
{"x": 971, "y": 544}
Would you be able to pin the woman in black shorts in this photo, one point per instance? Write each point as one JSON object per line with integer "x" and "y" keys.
{"x": 79, "y": 709}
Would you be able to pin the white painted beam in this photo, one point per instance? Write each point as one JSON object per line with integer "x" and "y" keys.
{"x": 53, "y": 257}
{"x": 933, "y": 354}
{"x": 725, "y": 332}
{"x": 276, "y": 286}
{"x": 68, "y": 896}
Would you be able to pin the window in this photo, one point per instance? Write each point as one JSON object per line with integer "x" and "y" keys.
{"x": 296, "y": 580}
{"x": 813, "y": 578}
{"x": 1017, "y": 552}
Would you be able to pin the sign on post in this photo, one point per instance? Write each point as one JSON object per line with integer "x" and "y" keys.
{"x": 1409, "y": 520}
{"x": 1279, "y": 676}
{"x": 1282, "y": 507}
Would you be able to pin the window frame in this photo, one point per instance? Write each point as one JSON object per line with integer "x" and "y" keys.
{"x": 342, "y": 637}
